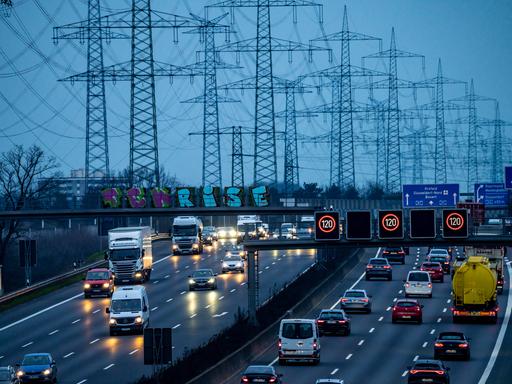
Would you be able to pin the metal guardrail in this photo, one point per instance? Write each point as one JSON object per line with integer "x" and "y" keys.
{"x": 42, "y": 284}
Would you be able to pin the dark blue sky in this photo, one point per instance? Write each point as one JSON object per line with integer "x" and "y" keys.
{"x": 472, "y": 37}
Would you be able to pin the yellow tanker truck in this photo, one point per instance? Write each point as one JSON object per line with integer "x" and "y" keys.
{"x": 474, "y": 291}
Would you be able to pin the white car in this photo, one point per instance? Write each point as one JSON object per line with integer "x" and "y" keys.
{"x": 232, "y": 263}
{"x": 418, "y": 283}
{"x": 298, "y": 340}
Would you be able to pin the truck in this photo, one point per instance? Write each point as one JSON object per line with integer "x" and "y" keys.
{"x": 496, "y": 257}
{"x": 187, "y": 235}
{"x": 474, "y": 291}
{"x": 252, "y": 224}
{"x": 130, "y": 255}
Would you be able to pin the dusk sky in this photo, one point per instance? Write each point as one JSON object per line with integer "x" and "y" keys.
{"x": 472, "y": 37}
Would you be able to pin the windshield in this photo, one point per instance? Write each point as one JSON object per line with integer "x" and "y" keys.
{"x": 4, "y": 375}
{"x": 451, "y": 337}
{"x": 418, "y": 277}
{"x": 439, "y": 259}
{"x": 124, "y": 254}
{"x": 354, "y": 294}
{"x": 378, "y": 261}
{"x": 184, "y": 230}
{"x": 431, "y": 265}
{"x": 297, "y": 331}
{"x": 231, "y": 258}
{"x": 332, "y": 315}
{"x": 202, "y": 274}
{"x": 438, "y": 252}
{"x": 35, "y": 360}
{"x": 406, "y": 304}
{"x": 427, "y": 366}
{"x": 126, "y": 305}
{"x": 97, "y": 276}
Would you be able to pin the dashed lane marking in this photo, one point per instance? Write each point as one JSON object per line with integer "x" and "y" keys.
{"x": 134, "y": 351}
{"x": 169, "y": 300}
{"x": 348, "y": 356}
{"x": 381, "y": 318}
{"x": 439, "y": 319}
{"x": 388, "y": 309}
{"x": 26, "y": 345}
{"x": 267, "y": 267}
{"x": 233, "y": 290}
{"x": 222, "y": 297}
{"x": 445, "y": 309}
{"x": 448, "y": 301}
{"x": 404, "y": 373}
{"x": 82, "y": 381}
{"x": 154, "y": 309}
{"x": 176, "y": 326}
{"x": 371, "y": 330}
{"x": 76, "y": 321}
{"x": 425, "y": 344}
{"x": 53, "y": 332}
{"x": 94, "y": 341}
{"x": 193, "y": 315}
{"x": 416, "y": 358}
{"x": 208, "y": 306}
{"x": 361, "y": 342}
{"x": 96, "y": 311}
{"x": 183, "y": 292}
{"x": 68, "y": 355}
{"x": 243, "y": 283}
{"x": 334, "y": 371}
{"x": 432, "y": 331}
{"x": 166, "y": 276}
{"x": 108, "y": 366}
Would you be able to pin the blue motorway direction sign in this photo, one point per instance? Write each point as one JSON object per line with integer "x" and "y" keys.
{"x": 508, "y": 177}
{"x": 491, "y": 194}
{"x": 430, "y": 195}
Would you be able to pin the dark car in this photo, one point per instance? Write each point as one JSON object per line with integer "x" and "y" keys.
{"x": 202, "y": 279}
{"x": 428, "y": 371}
{"x": 209, "y": 235}
{"x": 98, "y": 282}
{"x": 8, "y": 375}
{"x": 434, "y": 269}
{"x": 452, "y": 344}
{"x": 356, "y": 300}
{"x": 379, "y": 267}
{"x": 333, "y": 321}
{"x": 37, "y": 367}
{"x": 443, "y": 260}
{"x": 260, "y": 374}
{"x": 394, "y": 254}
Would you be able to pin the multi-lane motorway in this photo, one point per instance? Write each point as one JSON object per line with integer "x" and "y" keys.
{"x": 75, "y": 330}
{"x": 378, "y": 351}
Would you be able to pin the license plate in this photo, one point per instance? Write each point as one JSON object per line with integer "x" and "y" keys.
{"x": 125, "y": 280}
{"x": 259, "y": 380}
{"x": 427, "y": 380}
{"x": 125, "y": 329}
{"x": 96, "y": 290}
{"x": 406, "y": 317}
{"x": 331, "y": 322}
{"x": 451, "y": 351}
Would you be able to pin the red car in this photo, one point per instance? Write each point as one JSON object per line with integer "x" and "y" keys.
{"x": 407, "y": 310}
{"x": 435, "y": 271}
{"x": 98, "y": 282}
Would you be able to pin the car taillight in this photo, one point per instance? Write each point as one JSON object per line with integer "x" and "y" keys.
{"x": 439, "y": 372}
{"x": 364, "y": 300}
{"x": 401, "y": 253}
{"x": 418, "y": 308}
{"x": 407, "y": 285}
{"x": 430, "y": 285}
{"x": 463, "y": 345}
{"x": 315, "y": 345}
{"x": 395, "y": 308}
{"x": 438, "y": 345}
{"x": 414, "y": 371}
{"x": 320, "y": 321}
{"x": 245, "y": 379}
{"x": 344, "y": 300}
{"x": 273, "y": 379}
{"x": 279, "y": 344}
{"x": 369, "y": 266}
{"x": 387, "y": 266}
{"x": 447, "y": 262}
{"x": 341, "y": 321}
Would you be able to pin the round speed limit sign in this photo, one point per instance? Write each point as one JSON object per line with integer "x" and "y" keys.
{"x": 327, "y": 224}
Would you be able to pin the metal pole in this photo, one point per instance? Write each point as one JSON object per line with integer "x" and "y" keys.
{"x": 1, "y": 282}
{"x": 252, "y": 287}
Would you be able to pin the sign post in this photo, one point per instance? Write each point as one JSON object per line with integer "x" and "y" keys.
{"x": 430, "y": 195}
{"x": 327, "y": 226}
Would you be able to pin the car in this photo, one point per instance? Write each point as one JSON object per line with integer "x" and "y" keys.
{"x": 209, "y": 235}
{"x": 418, "y": 283}
{"x": 227, "y": 233}
{"x": 232, "y": 263}
{"x": 8, "y": 375}
{"x": 128, "y": 310}
{"x": 333, "y": 321}
{"x": 202, "y": 279}
{"x": 407, "y": 310}
{"x": 434, "y": 269}
{"x": 98, "y": 282}
{"x": 299, "y": 340}
{"x": 37, "y": 367}
{"x": 444, "y": 260}
{"x": 260, "y": 374}
{"x": 439, "y": 252}
{"x": 378, "y": 267}
{"x": 428, "y": 371}
{"x": 394, "y": 254}
{"x": 356, "y": 300}
{"x": 452, "y": 344}
{"x": 329, "y": 381}
{"x": 236, "y": 250}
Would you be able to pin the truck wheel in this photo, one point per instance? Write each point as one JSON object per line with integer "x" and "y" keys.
{"x": 282, "y": 362}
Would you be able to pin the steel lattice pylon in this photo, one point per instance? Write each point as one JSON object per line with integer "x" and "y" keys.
{"x": 291, "y": 157}
{"x": 237, "y": 157}
{"x": 497, "y": 149}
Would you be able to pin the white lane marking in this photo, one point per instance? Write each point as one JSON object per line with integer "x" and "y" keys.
{"x": 68, "y": 355}
{"x": 178, "y": 271}
{"x": 334, "y": 371}
{"x": 394, "y": 300}
{"x": 169, "y": 300}
{"x": 448, "y": 301}
{"x": 414, "y": 268}
{"x": 94, "y": 341}
{"x": 357, "y": 282}
{"x": 348, "y": 356}
{"x": 154, "y": 309}
{"x": 233, "y": 290}
{"x": 202, "y": 258}
{"x": 425, "y": 344}
{"x": 267, "y": 267}
{"x": 405, "y": 373}
{"x": 222, "y": 297}
{"x": 1, "y": 357}
{"x": 82, "y": 381}
{"x": 76, "y": 321}
{"x": 156, "y": 281}
{"x": 439, "y": 319}
{"x": 108, "y": 366}
{"x": 162, "y": 259}
{"x": 26, "y": 345}
{"x": 96, "y": 311}
{"x": 371, "y": 330}
{"x": 501, "y": 335}
{"x": 220, "y": 314}
{"x": 242, "y": 284}
{"x": 260, "y": 272}
{"x": 274, "y": 361}
{"x": 388, "y": 309}
{"x": 134, "y": 351}
{"x": 193, "y": 315}
{"x": 381, "y": 318}
{"x": 195, "y": 262}
{"x": 183, "y": 292}
{"x": 53, "y": 332}
{"x": 187, "y": 266}
{"x": 361, "y": 342}
{"x": 400, "y": 291}
{"x": 41, "y": 311}
{"x": 207, "y": 306}
{"x": 166, "y": 276}
{"x": 273, "y": 262}
{"x": 176, "y": 326}
{"x": 432, "y": 331}
{"x": 444, "y": 310}
{"x": 415, "y": 358}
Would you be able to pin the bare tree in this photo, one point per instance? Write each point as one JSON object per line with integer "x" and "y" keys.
{"x": 22, "y": 180}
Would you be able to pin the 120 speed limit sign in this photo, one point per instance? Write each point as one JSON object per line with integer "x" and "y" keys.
{"x": 327, "y": 226}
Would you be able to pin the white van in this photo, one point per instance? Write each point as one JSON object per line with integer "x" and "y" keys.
{"x": 298, "y": 340}
{"x": 418, "y": 283}
{"x": 129, "y": 310}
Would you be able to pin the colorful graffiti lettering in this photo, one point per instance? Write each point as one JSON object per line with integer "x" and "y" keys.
{"x": 111, "y": 197}
{"x": 161, "y": 197}
{"x": 234, "y": 197}
{"x": 136, "y": 197}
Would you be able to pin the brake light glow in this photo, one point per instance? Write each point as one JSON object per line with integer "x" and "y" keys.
{"x": 387, "y": 266}
{"x": 272, "y": 380}
{"x": 364, "y": 300}
{"x": 430, "y": 285}
{"x": 407, "y": 285}
{"x": 341, "y": 321}
{"x": 415, "y": 371}
{"x": 369, "y": 266}
{"x": 245, "y": 379}
{"x": 438, "y": 345}
{"x": 463, "y": 345}
{"x": 279, "y": 344}
{"x": 320, "y": 321}
{"x": 344, "y": 300}
{"x": 315, "y": 345}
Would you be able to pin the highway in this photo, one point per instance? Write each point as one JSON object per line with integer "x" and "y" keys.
{"x": 378, "y": 351}
{"x": 75, "y": 330}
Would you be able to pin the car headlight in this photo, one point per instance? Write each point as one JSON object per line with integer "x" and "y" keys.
{"x": 175, "y": 246}
{"x": 195, "y": 245}
{"x": 106, "y": 285}
{"x": 87, "y": 286}
{"x": 224, "y": 265}
{"x": 20, "y": 373}
{"x": 138, "y": 275}
{"x": 112, "y": 322}
{"x": 222, "y": 233}
{"x": 232, "y": 233}
{"x": 212, "y": 280}
{"x": 138, "y": 320}
{"x": 46, "y": 372}
{"x": 191, "y": 281}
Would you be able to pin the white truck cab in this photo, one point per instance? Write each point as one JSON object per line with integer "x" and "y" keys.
{"x": 129, "y": 310}
{"x": 187, "y": 234}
